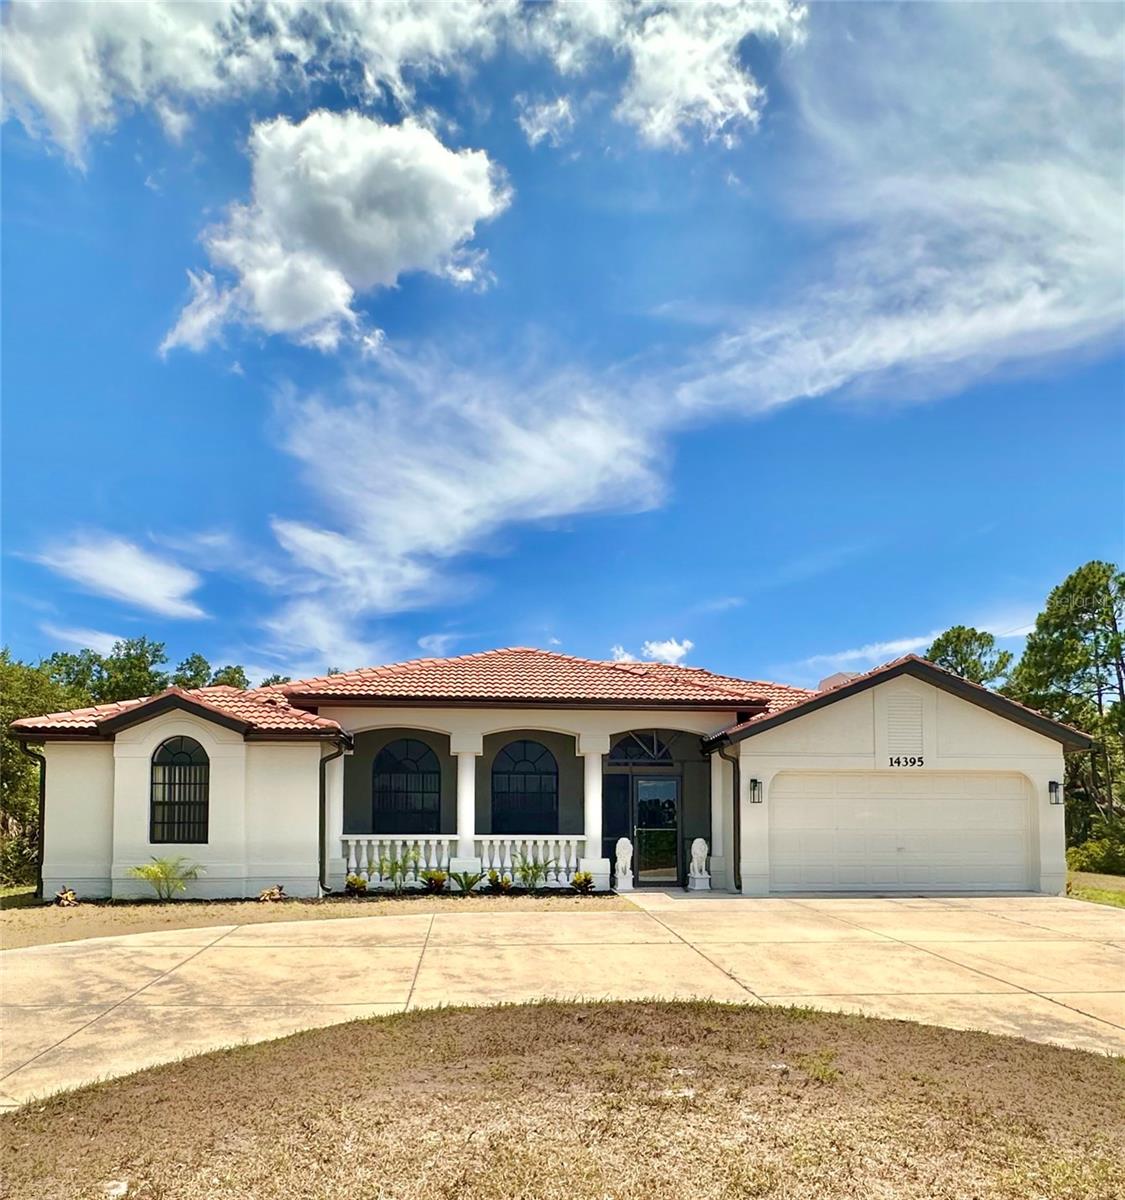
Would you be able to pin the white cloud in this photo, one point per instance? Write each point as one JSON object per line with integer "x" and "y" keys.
{"x": 110, "y": 566}
{"x": 83, "y": 639}
{"x": 968, "y": 162}
{"x": 341, "y": 204}
{"x": 547, "y": 120}
{"x": 439, "y": 644}
{"x": 871, "y": 655}
{"x": 684, "y": 65}
{"x": 73, "y": 69}
{"x": 668, "y": 651}
{"x": 425, "y": 461}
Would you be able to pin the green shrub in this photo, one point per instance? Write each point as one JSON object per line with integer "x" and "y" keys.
{"x": 1103, "y": 853}
{"x": 531, "y": 872}
{"x": 582, "y": 882}
{"x": 465, "y": 881}
{"x": 17, "y": 858}
{"x": 434, "y": 880}
{"x": 168, "y": 876}
{"x": 499, "y": 883}
{"x": 355, "y": 885}
{"x": 395, "y": 867}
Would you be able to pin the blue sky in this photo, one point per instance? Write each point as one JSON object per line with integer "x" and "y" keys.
{"x": 337, "y": 335}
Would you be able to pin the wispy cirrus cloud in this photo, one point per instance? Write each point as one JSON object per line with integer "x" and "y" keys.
{"x": 82, "y": 639}
{"x": 121, "y": 570}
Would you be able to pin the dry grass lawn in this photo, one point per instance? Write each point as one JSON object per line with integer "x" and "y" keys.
{"x": 37, "y": 924}
{"x": 640, "y": 1101}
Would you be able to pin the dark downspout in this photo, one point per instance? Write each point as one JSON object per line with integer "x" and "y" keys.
{"x": 736, "y": 832}
{"x": 341, "y": 746}
{"x": 42, "y": 761}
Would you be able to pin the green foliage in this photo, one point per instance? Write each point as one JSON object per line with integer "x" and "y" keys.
{"x": 970, "y": 653}
{"x": 193, "y": 672}
{"x": 25, "y": 690}
{"x": 1104, "y": 852}
{"x": 465, "y": 881}
{"x": 1073, "y": 669}
{"x": 168, "y": 876}
{"x": 230, "y": 676}
{"x": 499, "y": 883}
{"x": 820, "y": 1066}
{"x": 582, "y": 882}
{"x": 355, "y": 885}
{"x": 532, "y": 872}
{"x": 270, "y": 680}
{"x": 435, "y": 881}
{"x": 397, "y": 866}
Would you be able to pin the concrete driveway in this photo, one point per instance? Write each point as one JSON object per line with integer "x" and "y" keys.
{"x": 1044, "y": 968}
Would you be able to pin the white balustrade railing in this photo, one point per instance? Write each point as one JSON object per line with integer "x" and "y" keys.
{"x": 368, "y": 854}
{"x": 559, "y": 853}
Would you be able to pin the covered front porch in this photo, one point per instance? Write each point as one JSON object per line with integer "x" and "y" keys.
{"x": 451, "y": 801}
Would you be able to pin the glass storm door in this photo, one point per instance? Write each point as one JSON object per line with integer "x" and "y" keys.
{"x": 657, "y": 840}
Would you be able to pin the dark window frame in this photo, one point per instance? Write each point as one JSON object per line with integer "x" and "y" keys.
{"x": 406, "y": 788}
{"x": 179, "y": 809}
{"x": 640, "y": 748}
{"x": 525, "y": 773}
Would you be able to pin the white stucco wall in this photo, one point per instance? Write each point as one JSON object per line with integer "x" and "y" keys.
{"x": 78, "y": 836}
{"x": 853, "y": 735}
{"x": 282, "y": 816}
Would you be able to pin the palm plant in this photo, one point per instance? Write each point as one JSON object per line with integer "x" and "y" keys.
{"x": 168, "y": 876}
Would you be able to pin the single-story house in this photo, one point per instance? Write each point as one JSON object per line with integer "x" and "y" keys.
{"x": 903, "y": 779}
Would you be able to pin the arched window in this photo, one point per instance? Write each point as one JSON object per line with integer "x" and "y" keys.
{"x": 406, "y": 789}
{"x": 641, "y": 748}
{"x": 525, "y": 789}
{"x": 180, "y": 786}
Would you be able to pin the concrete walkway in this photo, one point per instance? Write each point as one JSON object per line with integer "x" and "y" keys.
{"x": 1044, "y": 968}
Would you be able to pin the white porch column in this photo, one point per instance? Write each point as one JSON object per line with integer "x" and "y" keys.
{"x": 754, "y": 852}
{"x": 467, "y": 748}
{"x": 336, "y": 864}
{"x": 592, "y": 747}
{"x": 721, "y": 802}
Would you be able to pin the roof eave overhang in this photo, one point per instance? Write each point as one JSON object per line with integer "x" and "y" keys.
{"x": 928, "y": 673}
{"x": 307, "y": 700}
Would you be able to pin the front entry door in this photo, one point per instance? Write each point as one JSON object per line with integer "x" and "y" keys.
{"x": 657, "y": 834}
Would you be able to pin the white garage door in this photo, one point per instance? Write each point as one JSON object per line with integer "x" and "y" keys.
{"x": 898, "y": 831}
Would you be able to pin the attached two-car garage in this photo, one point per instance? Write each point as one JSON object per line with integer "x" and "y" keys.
{"x": 907, "y": 779}
{"x": 868, "y": 831}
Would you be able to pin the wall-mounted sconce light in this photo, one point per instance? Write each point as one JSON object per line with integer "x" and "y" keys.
{"x": 1054, "y": 792}
{"x": 755, "y": 791}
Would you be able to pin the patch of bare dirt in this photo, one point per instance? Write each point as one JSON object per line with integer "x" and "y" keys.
{"x": 639, "y": 1101}
{"x": 43, "y": 923}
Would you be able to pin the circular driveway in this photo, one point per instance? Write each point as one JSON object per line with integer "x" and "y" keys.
{"x": 1040, "y": 967}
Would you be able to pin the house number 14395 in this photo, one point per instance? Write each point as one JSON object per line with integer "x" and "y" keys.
{"x": 897, "y": 760}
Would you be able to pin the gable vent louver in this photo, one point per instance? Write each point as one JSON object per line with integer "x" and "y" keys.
{"x": 904, "y": 725}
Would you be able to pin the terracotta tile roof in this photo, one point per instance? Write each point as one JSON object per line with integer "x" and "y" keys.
{"x": 261, "y": 713}
{"x": 974, "y": 692}
{"x": 522, "y": 675}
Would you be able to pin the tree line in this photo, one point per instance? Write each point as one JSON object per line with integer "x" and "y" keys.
{"x": 1073, "y": 669}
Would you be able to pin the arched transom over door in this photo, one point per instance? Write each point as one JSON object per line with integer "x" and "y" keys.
{"x": 525, "y": 789}
{"x": 406, "y": 788}
{"x": 641, "y": 747}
